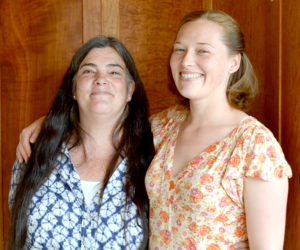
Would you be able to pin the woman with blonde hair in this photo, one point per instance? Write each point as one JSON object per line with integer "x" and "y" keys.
{"x": 219, "y": 176}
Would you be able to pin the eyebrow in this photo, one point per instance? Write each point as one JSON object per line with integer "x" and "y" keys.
{"x": 115, "y": 65}
{"x": 199, "y": 43}
{"x": 108, "y": 65}
{"x": 205, "y": 44}
{"x": 88, "y": 64}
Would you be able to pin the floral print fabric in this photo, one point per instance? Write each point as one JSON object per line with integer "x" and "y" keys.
{"x": 202, "y": 207}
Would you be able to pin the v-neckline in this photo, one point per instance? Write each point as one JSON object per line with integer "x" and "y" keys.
{"x": 203, "y": 152}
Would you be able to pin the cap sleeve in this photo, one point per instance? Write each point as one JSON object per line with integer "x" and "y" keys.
{"x": 162, "y": 122}
{"x": 257, "y": 154}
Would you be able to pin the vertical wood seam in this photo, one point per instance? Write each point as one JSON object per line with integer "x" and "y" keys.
{"x": 91, "y": 19}
{"x": 82, "y": 21}
{"x": 1, "y": 182}
{"x": 280, "y": 75}
{"x": 207, "y": 4}
{"x": 110, "y": 18}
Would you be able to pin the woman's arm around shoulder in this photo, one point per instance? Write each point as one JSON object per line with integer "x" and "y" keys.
{"x": 27, "y": 136}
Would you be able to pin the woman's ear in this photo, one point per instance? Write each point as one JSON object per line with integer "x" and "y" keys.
{"x": 131, "y": 88}
{"x": 236, "y": 61}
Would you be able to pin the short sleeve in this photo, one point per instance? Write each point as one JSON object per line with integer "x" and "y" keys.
{"x": 16, "y": 176}
{"x": 162, "y": 122}
{"x": 265, "y": 159}
{"x": 257, "y": 154}
{"x": 157, "y": 123}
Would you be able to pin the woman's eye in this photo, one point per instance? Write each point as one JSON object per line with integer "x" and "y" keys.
{"x": 202, "y": 51}
{"x": 114, "y": 73}
{"x": 88, "y": 71}
{"x": 178, "y": 50}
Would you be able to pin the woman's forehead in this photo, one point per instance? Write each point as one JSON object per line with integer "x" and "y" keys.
{"x": 200, "y": 31}
{"x": 105, "y": 55}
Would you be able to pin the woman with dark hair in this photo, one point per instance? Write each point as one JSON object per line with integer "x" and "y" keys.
{"x": 83, "y": 185}
{"x": 218, "y": 176}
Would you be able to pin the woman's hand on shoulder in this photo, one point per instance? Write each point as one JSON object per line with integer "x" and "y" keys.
{"x": 27, "y": 136}
{"x": 243, "y": 245}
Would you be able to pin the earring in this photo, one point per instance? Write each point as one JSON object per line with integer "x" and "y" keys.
{"x": 74, "y": 97}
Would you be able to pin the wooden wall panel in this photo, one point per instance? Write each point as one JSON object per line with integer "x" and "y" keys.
{"x": 110, "y": 18}
{"x": 91, "y": 19}
{"x": 1, "y": 189}
{"x": 259, "y": 21}
{"x": 148, "y": 30}
{"x": 100, "y": 17}
{"x": 291, "y": 114}
{"x": 40, "y": 37}
{"x": 38, "y": 40}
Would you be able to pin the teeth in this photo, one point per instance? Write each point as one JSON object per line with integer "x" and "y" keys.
{"x": 190, "y": 76}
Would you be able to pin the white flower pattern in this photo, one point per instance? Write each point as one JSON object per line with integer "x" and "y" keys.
{"x": 58, "y": 217}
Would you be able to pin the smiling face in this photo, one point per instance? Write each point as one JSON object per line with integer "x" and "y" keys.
{"x": 102, "y": 84}
{"x": 201, "y": 64}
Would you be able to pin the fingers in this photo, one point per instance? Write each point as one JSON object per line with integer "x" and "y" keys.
{"x": 27, "y": 136}
{"x": 21, "y": 154}
{"x": 23, "y": 149}
{"x": 34, "y": 136}
{"x": 243, "y": 245}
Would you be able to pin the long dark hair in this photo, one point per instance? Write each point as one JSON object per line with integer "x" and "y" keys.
{"x": 62, "y": 123}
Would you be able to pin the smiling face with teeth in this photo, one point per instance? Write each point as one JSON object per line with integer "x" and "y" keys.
{"x": 201, "y": 63}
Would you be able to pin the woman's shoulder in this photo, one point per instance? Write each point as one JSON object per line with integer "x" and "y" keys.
{"x": 261, "y": 151}
{"x": 254, "y": 152}
{"x": 172, "y": 113}
{"x": 253, "y": 136}
{"x": 163, "y": 123}
{"x": 250, "y": 126}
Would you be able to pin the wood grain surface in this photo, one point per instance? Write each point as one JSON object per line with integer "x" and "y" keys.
{"x": 259, "y": 21}
{"x": 110, "y": 18}
{"x": 91, "y": 19}
{"x": 148, "y": 30}
{"x": 291, "y": 114}
{"x": 38, "y": 40}
{"x": 39, "y": 37}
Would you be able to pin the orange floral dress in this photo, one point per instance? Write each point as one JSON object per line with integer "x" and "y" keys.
{"x": 202, "y": 207}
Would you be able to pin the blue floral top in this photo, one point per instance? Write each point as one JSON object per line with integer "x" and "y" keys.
{"x": 58, "y": 217}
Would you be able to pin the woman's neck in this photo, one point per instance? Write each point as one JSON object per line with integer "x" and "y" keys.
{"x": 213, "y": 113}
{"x": 98, "y": 129}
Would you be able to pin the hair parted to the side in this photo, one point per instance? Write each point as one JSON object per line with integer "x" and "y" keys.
{"x": 243, "y": 84}
{"x": 62, "y": 124}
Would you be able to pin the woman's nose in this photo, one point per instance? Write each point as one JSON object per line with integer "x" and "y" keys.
{"x": 100, "y": 79}
{"x": 187, "y": 59}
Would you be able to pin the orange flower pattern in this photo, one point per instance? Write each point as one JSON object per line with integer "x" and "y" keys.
{"x": 202, "y": 207}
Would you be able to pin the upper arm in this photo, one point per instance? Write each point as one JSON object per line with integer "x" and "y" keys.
{"x": 265, "y": 206}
